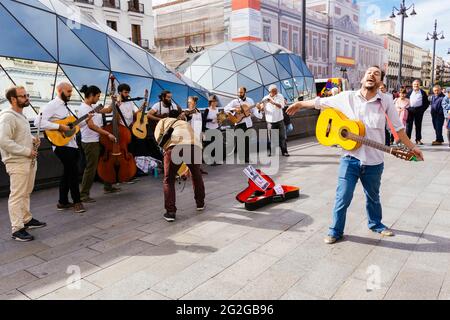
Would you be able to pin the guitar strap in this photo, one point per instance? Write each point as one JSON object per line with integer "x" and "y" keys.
{"x": 70, "y": 111}
{"x": 391, "y": 126}
{"x": 122, "y": 117}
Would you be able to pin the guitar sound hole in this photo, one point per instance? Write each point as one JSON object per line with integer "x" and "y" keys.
{"x": 344, "y": 133}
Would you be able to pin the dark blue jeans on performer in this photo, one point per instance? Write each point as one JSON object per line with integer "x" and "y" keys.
{"x": 350, "y": 171}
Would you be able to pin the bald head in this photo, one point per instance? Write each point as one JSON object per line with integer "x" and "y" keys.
{"x": 64, "y": 91}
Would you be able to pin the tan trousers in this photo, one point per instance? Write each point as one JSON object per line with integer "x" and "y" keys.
{"x": 22, "y": 178}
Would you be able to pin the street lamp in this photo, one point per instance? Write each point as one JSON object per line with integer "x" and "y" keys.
{"x": 191, "y": 49}
{"x": 402, "y": 12}
{"x": 435, "y": 36}
{"x": 344, "y": 72}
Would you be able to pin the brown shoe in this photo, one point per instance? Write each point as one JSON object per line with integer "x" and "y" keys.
{"x": 62, "y": 207}
{"x": 330, "y": 240}
{"x": 436, "y": 143}
{"x": 78, "y": 208}
{"x": 387, "y": 233}
{"x": 88, "y": 200}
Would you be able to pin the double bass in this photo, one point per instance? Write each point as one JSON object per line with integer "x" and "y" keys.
{"x": 116, "y": 164}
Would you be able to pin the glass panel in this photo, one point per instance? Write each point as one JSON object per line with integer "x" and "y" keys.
{"x": 288, "y": 89}
{"x": 243, "y": 81}
{"x": 179, "y": 92}
{"x": 245, "y": 51}
{"x": 34, "y": 3}
{"x": 262, "y": 45}
{"x": 137, "y": 84}
{"x": 311, "y": 87}
{"x": 160, "y": 71}
{"x": 121, "y": 62}
{"x": 252, "y": 72}
{"x": 214, "y": 56}
{"x": 257, "y": 95}
{"x": 233, "y": 45}
{"x": 241, "y": 61}
{"x": 76, "y": 99}
{"x": 93, "y": 39}
{"x": 274, "y": 48}
{"x": 40, "y": 24}
{"x": 223, "y": 46}
{"x": 282, "y": 71}
{"x": 266, "y": 76}
{"x": 73, "y": 51}
{"x": 259, "y": 53}
{"x": 283, "y": 59}
{"x": 17, "y": 42}
{"x": 220, "y": 75}
{"x": 300, "y": 84}
{"x": 226, "y": 62}
{"x": 269, "y": 64}
{"x": 206, "y": 80}
{"x": 140, "y": 56}
{"x": 47, "y": 4}
{"x": 296, "y": 72}
{"x": 188, "y": 73}
{"x": 154, "y": 94}
{"x": 202, "y": 60}
{"x": 72, "y": 12}
{"x": 230, "y": 86}
{"x": 82, "y": 76}
{"x": 198, "y": 71}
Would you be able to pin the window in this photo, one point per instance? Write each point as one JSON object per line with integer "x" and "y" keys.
{"x": 112, "y": 24}
{"x": 136, "y": 34}
{"x": 338, "y": 49}
{"x": 284, "y": 39}
{"x": 315, "y": 48}
{"x": 354, "y": 52}
{"x": 337, "y": 10}
{"x": 306, "y": 45}
{"x": 355, "y": 18}
{"x": 346, "y": 47}
{"x": 295, "y": 43}
{"x": 267, "y": 33}
{"x": 324, "y": 49}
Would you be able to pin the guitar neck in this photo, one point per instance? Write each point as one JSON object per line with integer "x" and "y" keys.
{"x": 81, "y": 119}
{"x": 370, "y": 143}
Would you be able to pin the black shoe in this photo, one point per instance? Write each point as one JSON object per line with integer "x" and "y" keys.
{"x": 62, "y": 207}
{"x": 286, "y": 154}
{"x": 35, "y": 224}
{"x": 22, "y": 235}
{"x": 169, "y": 216}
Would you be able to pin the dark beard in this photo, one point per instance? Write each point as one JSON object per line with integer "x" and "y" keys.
{"x": 167, "y": 104}
{"x": 243, "y": 98}
{"x": 23, "y": 105}
{"x": 64, "y": 97}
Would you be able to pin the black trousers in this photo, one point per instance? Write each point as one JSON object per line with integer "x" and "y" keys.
{"x": 438, "y": 124}
{"x": 280, "y": 126}
{"x": 243, "y": 126}
{"x": 69, "y": 158}
{"x": 415, "y": 117}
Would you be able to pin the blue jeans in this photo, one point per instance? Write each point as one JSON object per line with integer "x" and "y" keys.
{"x": 350, "y": 171}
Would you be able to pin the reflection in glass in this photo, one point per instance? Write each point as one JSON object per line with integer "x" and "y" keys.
{"x": 37, "y": 77}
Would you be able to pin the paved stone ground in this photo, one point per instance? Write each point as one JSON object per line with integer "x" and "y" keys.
{"x": 125, "y": 250}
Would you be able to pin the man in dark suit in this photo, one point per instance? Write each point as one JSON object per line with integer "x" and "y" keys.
{"x": 419, "y": 103}
{"x": 437, "y": 114}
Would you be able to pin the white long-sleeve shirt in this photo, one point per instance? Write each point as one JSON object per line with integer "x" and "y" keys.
{"x": 273, "y": 113}
{"x": 237, "y": 103}
{"x": 370, "y": 112}
{"x": 16, "y": 141}
{"x": 52, "y": 111}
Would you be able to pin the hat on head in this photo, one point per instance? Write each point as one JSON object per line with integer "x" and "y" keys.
{"x": 272, "y": 87}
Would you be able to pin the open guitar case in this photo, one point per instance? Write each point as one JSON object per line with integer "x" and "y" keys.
{"x": 255, "y": 197}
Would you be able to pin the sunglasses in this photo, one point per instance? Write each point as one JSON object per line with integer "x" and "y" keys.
{"x": 23, "y": 96}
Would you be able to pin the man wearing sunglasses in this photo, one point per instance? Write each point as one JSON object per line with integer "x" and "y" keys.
{"x": 17, "y": 148}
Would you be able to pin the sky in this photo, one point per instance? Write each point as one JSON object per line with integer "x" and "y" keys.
{"x": 416, "y": 27}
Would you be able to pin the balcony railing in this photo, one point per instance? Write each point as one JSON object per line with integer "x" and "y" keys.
{"x": 115, "y": 4}
{"x": 86, "y": 1}
{"x": 143, "y": 43}
{"x": 135, "y": 6}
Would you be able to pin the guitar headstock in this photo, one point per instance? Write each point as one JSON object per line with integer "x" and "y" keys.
{"x": 404, "y": 153}
{"x": 112, "y": 89}
{"x": 146, "y": 97}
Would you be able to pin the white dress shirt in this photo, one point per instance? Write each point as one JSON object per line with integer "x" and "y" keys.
{"x": 52, "y": 111}
{"x": 237, "y": 103}
{"x": 273, "y": 113}
{"x": 416, "y": 99}
{"x": 212, "y": 115}
{"x": 371, "y": 113}
{"x": 87, "y": 134}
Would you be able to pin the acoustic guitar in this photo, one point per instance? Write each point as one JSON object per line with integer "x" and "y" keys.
{"x": 139, "y": 128}
{"x": 58, "y": 138}
{"x": 237, "y": 116}
{"x": 334, "y": 128}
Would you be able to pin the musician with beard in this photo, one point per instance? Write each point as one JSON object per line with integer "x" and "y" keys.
{"x": 246, "y": 123}
{"x": 18, "y": 147}
{"x": 373, "y": 108}
{"x": 68, "y": 154}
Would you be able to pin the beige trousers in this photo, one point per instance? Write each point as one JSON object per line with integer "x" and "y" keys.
{"x": 22, "y": 178}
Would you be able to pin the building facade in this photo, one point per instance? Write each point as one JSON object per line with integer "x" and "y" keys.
{"x": 133, "y": 19}
{"x": 333, "y": 37}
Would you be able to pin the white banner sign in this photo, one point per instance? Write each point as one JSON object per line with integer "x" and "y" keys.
{"x": 246, "y": 23}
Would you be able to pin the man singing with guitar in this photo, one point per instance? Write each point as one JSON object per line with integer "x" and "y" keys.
{"x": 68, "y": 153}
{"x": 243, "y": 107}
{"x": 372, "y": 108}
